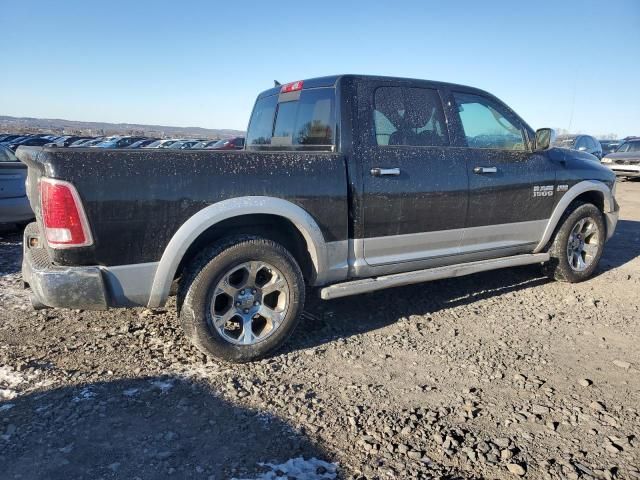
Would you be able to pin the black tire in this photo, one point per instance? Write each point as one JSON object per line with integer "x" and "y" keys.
{"x": 196, "y": 294}
{"x": 559, "y": 267}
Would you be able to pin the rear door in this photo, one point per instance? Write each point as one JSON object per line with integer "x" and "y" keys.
{"x": 414, "y": 195}
{"x": 511, "y": 187}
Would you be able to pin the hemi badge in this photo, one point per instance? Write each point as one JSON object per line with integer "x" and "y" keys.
{"x": 563, "y": 188}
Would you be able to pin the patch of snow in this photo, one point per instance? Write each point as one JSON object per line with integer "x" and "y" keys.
{"x": 163, "y": 385}
{"x": 7, "y": 394}
{"x": 14, "y": 383}
{"x": 85, "y": 394}
{"x": 10, "y": 378}
{"x": 300, "y": 469}
{"x": 131, "y": 392}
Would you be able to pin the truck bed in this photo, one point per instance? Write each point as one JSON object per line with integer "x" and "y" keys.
{"x": 135, "y": 200}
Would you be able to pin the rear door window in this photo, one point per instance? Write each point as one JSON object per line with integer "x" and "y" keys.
{"x": 409, "y": 117}
{"x": 306, "y": 122}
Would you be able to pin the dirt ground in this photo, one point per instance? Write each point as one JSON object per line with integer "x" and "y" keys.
{"x": 498, "y": 375}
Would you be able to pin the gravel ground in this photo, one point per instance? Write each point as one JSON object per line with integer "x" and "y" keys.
{"x": 497, "y": 375}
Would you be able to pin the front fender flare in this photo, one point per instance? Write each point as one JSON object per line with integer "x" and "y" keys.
{"x": 565, "y": 201}
{"x": 234, "y": 207}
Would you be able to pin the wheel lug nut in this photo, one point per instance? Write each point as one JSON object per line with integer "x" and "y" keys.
{"x": 241, "y": 292}
{"x": 246, "y": 310}
{"x": 237, "y": 304}
{"x": 256, "y": 303}
{"x": 253, "y": 290}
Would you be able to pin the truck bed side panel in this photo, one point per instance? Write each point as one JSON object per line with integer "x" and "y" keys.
{"x": 136, "y": 200}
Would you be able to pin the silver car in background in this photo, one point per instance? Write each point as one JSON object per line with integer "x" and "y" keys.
{"x": 625, "y": 161}
{"x": 14, "y": 205}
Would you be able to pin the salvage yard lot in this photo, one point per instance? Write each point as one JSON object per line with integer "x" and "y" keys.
{"x": 497, "y": 375}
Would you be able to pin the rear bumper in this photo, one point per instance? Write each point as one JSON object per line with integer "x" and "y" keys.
{"x": 85, "y": 287}
{"x": 15, "y": 210}
{"x": 67, "y": 287}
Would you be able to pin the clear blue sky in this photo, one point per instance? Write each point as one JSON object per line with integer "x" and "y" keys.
{"x": 201, "y": 63}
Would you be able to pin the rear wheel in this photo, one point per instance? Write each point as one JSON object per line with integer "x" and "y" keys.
{"x": 241, "y": 299}
{"x": 577, "y": 245}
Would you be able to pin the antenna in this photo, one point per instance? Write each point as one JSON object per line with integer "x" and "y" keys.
{"x": 573, "y": 99}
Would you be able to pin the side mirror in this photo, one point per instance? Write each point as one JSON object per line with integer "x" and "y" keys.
{"x": 544, "y": 138}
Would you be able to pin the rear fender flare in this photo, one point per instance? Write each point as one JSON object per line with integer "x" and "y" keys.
{"x": 234, "y": 207}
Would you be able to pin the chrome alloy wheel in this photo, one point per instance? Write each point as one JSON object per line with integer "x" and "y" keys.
{"x": 583, "y": 244}
{"x": 249, "y": 303}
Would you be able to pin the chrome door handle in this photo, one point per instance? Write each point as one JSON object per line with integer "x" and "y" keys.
{"x": 485, "y": 170}
{"x": 379, "y": 172}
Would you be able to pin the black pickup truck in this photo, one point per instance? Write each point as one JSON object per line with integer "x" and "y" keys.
{"x": 347, "y": 183}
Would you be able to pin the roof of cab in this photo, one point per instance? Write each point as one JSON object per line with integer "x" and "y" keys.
{"x": 331, "y": 81}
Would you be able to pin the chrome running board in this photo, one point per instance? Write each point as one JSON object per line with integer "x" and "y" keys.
{"x": 378, "y": 283}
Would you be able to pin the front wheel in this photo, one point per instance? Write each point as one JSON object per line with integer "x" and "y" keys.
{"x": 578, "y": 244}
{"x": 241, "y": 299}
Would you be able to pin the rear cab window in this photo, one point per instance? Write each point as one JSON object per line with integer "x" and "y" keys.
{"x": 303, "y": 120}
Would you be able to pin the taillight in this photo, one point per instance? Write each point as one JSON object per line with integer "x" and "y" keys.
{"x": 65, "y": 223}
{"x": 291, "y": 87}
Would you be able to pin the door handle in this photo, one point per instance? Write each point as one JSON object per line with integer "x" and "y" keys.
{"x": 379, "y": 172}
{"x": 481, "y": 170}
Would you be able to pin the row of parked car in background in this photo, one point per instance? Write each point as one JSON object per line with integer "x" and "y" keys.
{"x": 14, "y": 205}
{"x": 13, "y": 141}
{"x": 621, "y": 156}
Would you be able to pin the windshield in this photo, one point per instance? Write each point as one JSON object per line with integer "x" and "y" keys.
{"x": 629, "y": 147}
{"x": 7, "y": 155}
{"x": 565, "y": 142}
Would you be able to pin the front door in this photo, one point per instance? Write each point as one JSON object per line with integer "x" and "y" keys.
{"x": 511, "y": 187}
{"x": 414, "y": 193}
